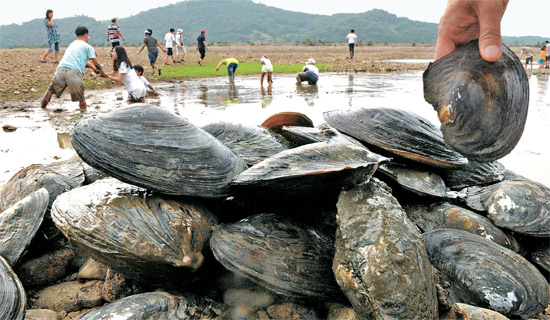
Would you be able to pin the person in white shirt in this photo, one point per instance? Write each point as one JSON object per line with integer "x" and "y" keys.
{"x": 147, "y": 84}
{"x": 310, "y": 73}
{"x": 267, "y": 67}
{"x": 123, "y": 72}
{"x": 352, "y": 41}
{"x": 180, "y": 48}
{"x": 168, "y": 44}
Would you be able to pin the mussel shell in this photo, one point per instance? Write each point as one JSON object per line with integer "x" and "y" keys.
{"x": 445, "y": 215}
{"x": 12, "y": 294}
{"x": 252, "y": 143}
{"x": 485, "y": 274}
{"x": 152, "y": 148}
{"x": 157, "y": 305}
{"x": 309, "y": 169}
{"x": 467, "y": 312}
{"x": 146, "y": 236}
{"x": 419, "y": 181}
{"x": 398, "y": 132}
{"x": 482, "y": 105}
{"x": 380, "y": 262}
{"x": 279, "y": 254}
{"x": 277, "y": 121}
{"x": 542, "y": 256}
{"x": 57, "y": 178}
{"x": 19, "y": 224}
{"x": 305, "y": 135}
{"x": 473, "y": 174}
{"x": 521, "y": 206}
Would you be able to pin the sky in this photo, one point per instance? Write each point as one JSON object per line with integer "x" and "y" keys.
{"x": 520, "y": 19}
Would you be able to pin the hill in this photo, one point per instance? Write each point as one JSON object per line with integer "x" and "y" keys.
{"x": 248, "y": 22}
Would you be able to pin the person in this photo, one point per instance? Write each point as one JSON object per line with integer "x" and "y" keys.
{"x": 202, "y": 47}
{"x": 232, "y": 65}
{"x": 123, "y": 72}
{"x": 353, "y": 41}
{"x": 547, "y": 62}
{"x": 180, "y": 48}
{"x": 53, "y": 37}
{"x": 267, "y": 67}
{"x": 310, "y": 73}
{"x": 147, "y": 84}
{"x": 466, "y": 20}
{"x": 528, "y": 54}
{"x": 168, "y": 43}
{"x": 152, "y": 49}
{"x": 70, "y": 71}
{"x": 542, "y": 57}
{"x": 114, "y": 34}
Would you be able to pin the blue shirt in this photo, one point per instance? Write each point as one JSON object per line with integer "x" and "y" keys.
{"x": 200, "y": 40}
{"x": 53, "y": 35}
{"x": 77, "y": 55}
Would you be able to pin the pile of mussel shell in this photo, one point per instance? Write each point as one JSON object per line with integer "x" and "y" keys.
{"x": 372, "y": 211}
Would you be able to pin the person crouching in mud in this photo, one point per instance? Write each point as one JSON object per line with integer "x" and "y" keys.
{"x": 310, "y": 73}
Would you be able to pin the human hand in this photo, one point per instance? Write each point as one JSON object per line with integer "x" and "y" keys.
{"x": 466, "y": 20}
{"x": 155, "y": 92}
{"x": 218, "y": 68}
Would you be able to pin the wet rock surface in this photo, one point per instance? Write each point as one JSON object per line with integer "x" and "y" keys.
{"x": 59, "y": 297}
{"x": 46, "y": 269}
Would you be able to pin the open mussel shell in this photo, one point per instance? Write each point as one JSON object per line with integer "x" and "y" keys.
{"x": 157, "y": 305}
{"x": 397, "y": 132}
{"x": 279, "y": 254}
{"x": 305, "y": 135}
{"x": 522, "y": 206}
{"x": 146, "y": 236}
{"x": 418, "y": 181}
{"x": 252, "y": 143}
{"x": 380, "y": 261}
{"x": 152, "y": 148}
{"x": 473, "y": 174}
{"x": 19, "y": 224}
{"x": 309, "y": 169}
{"x": 277, "y": 121}
{"x": 542, "y": 256}
{"x": 485, "y": 274}
{"x": 482, "y": 105}
{"x": 12, "y": 294}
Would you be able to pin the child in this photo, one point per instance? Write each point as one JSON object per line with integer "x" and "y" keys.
{"x": 139, "y": 71}
{"x": 123, "y": 72}
{"x": 542, "y": 57}
{"x": 267, "y": 67}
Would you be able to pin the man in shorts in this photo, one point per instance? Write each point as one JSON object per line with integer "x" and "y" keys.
{"x": 114, "y": 34}
{"x": 168, "y": 43}
{"x": 70, "y": 71}
{"x": 201, "y": 46}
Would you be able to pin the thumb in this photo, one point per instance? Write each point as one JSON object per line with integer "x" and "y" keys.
{"x": 490, "y": 40}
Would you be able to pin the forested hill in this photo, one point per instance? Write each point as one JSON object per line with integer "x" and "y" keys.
{"x": 238, "y": 21}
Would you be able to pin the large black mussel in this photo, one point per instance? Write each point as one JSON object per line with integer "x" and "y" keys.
{"x": 482, "y": 105}
{"x": 305, "y": 135}
{"x": 487, "y": 275}
{"x": 155, "y": 149}
{"x": 416, "y": 180}
{"x": 252, "y": 143}
{"x": 473, "y": 174}
{"x": 309, "y": 169}
{"x": 12, "y": 294}
{"x": 380, "y": 262}
{"x": 143, "y": 235}
{"x": 157, "y": 305}
{"x": 398, "y": 132}
{"x": 19, "y": 224}
{"x": 279, "y": 254}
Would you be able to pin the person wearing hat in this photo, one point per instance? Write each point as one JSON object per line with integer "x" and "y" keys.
{"x": 310, "y": 73}
{"x": 202, "y": 47}
{"x": 267, "y": 67}
{"x": 152, "y": 45}
{"x": 528, "y": 54}
{"x": 114, "y": 34}
{"x": 180, "y": 48}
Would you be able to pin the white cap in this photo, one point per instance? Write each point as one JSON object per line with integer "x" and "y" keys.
{"x": 180, "y": 31}
{"x": 146, "y": 32}
{"x": 310, "y": 61}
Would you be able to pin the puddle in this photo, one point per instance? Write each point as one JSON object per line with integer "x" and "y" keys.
{"x": 42, "y": 136}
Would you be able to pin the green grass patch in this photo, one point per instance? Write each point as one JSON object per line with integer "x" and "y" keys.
{"x": 209, "y": 70}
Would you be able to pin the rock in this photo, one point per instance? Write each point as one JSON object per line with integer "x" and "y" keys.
{"x": 41, "y": 314}
{"x": 338, "y": 311}
{"x": 291, "y": 311}
{"x": 243, "y": 303}
{"x": 92, "y": 270}
{"x": 59, "y": 297}
{"x": 9, "y": 128}
{"x": 461, "y": 311}
{"x": 119, "y": 96}
{"x": 90, "y": 295}
{"x": 46, "y": 269}
{"x": 116, "y": 287}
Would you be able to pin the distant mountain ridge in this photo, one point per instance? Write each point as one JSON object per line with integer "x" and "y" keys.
{"x": 248, "y": 22}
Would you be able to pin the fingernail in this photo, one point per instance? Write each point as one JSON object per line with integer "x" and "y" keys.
{"x": 492, "y": 52}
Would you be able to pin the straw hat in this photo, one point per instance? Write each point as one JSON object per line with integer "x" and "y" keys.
{"x": 180, "y": 31}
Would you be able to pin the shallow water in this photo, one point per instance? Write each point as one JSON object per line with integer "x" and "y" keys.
{"x": 42, "y": 136}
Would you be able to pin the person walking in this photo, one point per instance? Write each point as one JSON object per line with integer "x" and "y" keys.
{"x": 202, "y": 47}
{"x": 528, "y": 54}
{"x": 152, "y": 49}
{"x": 352, "y": 41}
{"x": 267, "y": 67}
{"x": 168, "y": 44}
{"x": 232, "y": 65}
{"x": 113, "y": 34}
{"x": 53, "y": 37}
{"x": 310, "y": 73}
{"x": 180, "y": 48}
{"x": 70, "y": 71}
